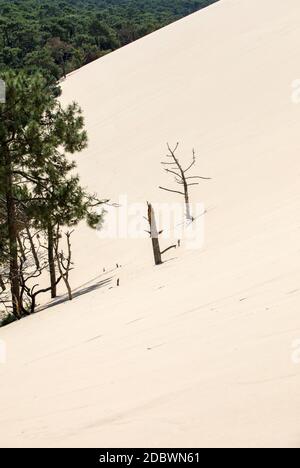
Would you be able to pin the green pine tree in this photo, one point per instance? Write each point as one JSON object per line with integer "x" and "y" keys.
{"x": 36, "y": 134}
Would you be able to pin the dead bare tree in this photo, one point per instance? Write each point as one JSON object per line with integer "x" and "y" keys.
{"x": 64, "y": 262}
{"x": 181, "y": 177}
{"x": 33, "y": 263}
{"x": 154, "y": 235}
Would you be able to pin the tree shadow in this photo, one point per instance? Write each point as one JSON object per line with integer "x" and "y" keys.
{"x": 80, "y": 291}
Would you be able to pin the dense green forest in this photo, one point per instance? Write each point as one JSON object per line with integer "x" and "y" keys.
{"x": 58, "y": 36}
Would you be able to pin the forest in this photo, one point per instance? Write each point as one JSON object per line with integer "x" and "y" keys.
{"x": 56, "y": 37}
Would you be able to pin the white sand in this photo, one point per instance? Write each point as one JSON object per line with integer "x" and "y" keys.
{"x": 219, "y": 322}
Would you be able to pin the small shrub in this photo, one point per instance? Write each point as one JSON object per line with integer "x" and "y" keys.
{"x": 9, "y": 318}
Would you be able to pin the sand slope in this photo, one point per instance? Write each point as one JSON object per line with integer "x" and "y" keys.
{"x": 197, "y": 352}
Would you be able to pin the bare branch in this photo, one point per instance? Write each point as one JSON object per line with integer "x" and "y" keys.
{"x": 169, "y": 190}
{"x": 198, "y": 177}
{"x": 174, "y": 172}
{"x": 169, "y": 248}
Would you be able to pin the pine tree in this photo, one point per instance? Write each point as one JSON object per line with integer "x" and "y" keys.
{"x": 36, "y": 133}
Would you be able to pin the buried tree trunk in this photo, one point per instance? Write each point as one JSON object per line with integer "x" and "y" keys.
{"x": 154, "y": 234}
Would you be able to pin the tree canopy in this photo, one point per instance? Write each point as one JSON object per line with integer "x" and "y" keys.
{"x": 57, "y": 36}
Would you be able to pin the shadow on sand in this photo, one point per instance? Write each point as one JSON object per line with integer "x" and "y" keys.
{"x": 86, "y": 288}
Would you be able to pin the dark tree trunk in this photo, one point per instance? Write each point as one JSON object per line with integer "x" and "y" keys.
{"x": 2, "y": 284}
{"x": 154, "y": 235}
{"x": 13, "y": 238}
{"x": 51, "y": 261}
{"x": 33, "y": 249}
{"x": 21, "y": 248}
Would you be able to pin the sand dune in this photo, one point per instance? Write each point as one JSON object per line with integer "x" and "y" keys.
{"x": 199, "y": 351}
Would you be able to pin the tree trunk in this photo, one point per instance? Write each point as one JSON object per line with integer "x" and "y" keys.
{"x": 33, "y": 304}
{"x": 68, "y": 286}
{"x": 33, "y": 249}
{"x": 21, "y": 248}
{"x": 154, "y": 235}
{"x": 2, "y": 284}
{"x": 188, "y": 214}
{"x": 64, "y": 269}
{"x": 51, "y": 261}
{"x": 13, "y": 238}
